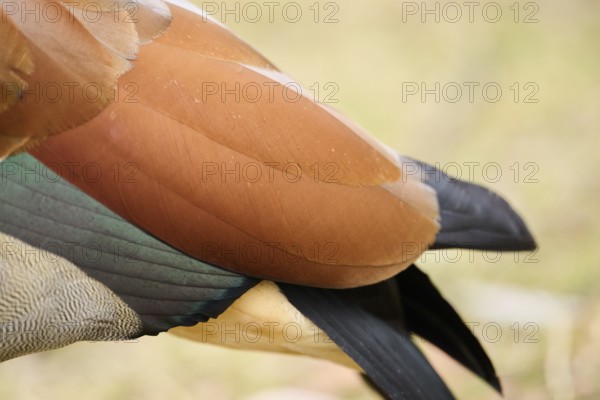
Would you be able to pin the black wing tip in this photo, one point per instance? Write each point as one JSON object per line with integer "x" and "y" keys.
{"x": 495, "y": 383}
{"x": 510, "y": 234}
{"x": 510, "y": 244}
{"x": 396, "y": 367}
{"x": 472, "y": 216}
{"x": 526, "y": 242}
{"x": 491, "y": 225}
{"x": 490, "y": 377}
{"x": 429, "y": 315}
{"x": 516, "y": 234}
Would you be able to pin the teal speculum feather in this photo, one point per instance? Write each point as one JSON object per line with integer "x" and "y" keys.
{"x": 164, "y": 286}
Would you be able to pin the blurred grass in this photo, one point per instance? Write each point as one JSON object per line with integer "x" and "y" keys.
{"x": 368, "y": 54}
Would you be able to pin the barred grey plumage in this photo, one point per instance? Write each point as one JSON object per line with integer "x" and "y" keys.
{"x": 46, "y": 302}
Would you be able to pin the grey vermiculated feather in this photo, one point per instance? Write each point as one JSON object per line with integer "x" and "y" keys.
{"x": 165, "y": 287}
{"x": 46, "y": 303}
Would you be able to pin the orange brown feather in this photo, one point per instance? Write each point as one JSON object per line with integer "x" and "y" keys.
{"x": 324, "y": 204}
{"x": 74, "y": 54}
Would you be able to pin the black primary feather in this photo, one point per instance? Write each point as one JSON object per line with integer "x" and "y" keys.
{"x": 472, "y": 216}
{"x": 374, "y": 325}
{"x": 430, "y": 316}
{"x": 386, "y": 353}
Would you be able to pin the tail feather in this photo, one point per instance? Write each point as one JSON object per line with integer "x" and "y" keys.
{"x": 472, "y": 217}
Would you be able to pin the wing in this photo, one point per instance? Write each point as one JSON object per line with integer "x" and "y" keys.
{"x": 164, "y": 287}
{"x": 228, "y": 153}
{"x": 59, "y": 71}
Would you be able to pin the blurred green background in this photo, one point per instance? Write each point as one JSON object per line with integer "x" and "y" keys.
{"x": 538, "y": 314}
